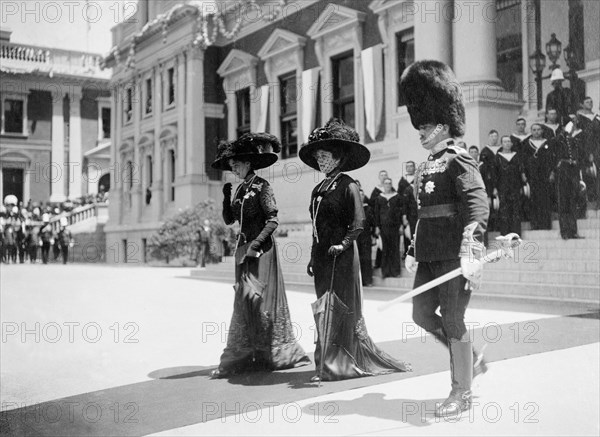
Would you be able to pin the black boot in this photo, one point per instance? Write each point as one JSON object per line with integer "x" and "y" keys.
{"x": 479, "y": 363}
{"x": 461, "y": 369}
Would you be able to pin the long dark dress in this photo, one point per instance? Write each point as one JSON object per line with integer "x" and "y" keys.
{"x": 337, "y": 213}
{"x": 509, "y": 183}
{"x": 538, "y": 162}
{"x": 263, "y": 339}
{"x": 388, "y": 218}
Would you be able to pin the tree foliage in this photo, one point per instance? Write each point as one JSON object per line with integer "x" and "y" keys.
{"x": 177, "y": 236}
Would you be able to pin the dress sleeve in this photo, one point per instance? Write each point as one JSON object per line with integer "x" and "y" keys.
{"x": 471, "y": 191}
{"x": 358, "y": 215}
{"x": 269, "y": 207}
{"x": 228, "y": 216}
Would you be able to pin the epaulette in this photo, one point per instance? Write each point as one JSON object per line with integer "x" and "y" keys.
{"x": 458, "y": 150}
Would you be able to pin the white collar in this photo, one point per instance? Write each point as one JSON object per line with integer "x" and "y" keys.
{"x": 507, "y": 156}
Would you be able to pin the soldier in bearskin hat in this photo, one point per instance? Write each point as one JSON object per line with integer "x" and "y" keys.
{"x": 450, "y": 195}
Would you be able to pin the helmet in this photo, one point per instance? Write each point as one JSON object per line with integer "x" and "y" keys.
{"x": 46, "y": 218}
{"x": 557, "y": 74}
{"x": 11, "y": 199}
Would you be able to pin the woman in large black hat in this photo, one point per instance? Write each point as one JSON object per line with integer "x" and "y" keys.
{"x": 260, "y": 336}
{"x": 337, "y": 214}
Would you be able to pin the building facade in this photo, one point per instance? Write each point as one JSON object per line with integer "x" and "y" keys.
{"x": 55, "y": 133}
{"x": 188, "y": 74}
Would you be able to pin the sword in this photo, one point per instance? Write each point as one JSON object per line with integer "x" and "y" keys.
{"x": 507, "y": 242}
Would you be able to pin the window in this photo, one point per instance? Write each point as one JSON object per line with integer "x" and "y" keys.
{"x": 170, "y": 86}
{"x": 129, "y": 175}
{"x": 172, "y": 175}
{"x": 343, "y": 88}
{"x": 243, "y": 111}
{"x": 13, "y": 116}
{"x": 508, "y": 45}
{"x": 148, "y": 95}
{"x": 289, "y": 116}
{"x": 128, "y": 115}
{"x": 405, "y": 46}
{"x": 149, "y": 170}
{"x": 105, "y": 120}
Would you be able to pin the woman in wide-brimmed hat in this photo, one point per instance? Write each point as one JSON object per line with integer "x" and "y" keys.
{"x": 260, "y": 336}
{"x": 337, "y": 214}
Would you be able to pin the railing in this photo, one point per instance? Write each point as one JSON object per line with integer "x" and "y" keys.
{"x": 84, "y": 212}
{"x": 51, "y": 60}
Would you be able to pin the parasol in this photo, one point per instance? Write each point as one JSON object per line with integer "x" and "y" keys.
{"x": 329, "y": 312}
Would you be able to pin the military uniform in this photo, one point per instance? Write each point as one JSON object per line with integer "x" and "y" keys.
{"x": 568, "y": 152}
{"x": 450, "y": 195}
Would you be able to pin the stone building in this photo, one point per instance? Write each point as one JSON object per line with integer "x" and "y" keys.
{"x": 186, "y": 74}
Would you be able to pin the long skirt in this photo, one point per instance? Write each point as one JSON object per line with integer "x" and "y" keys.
{"x": 260, "y": 336}
{"x": 350, "y": 351}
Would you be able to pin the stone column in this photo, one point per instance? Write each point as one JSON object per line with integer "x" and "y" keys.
{"x": 75, "y": 138}
{"x": 433, "y": 26}
{"x": 474, "y": 42}
{"x": 157, "y": 184}
{"x": 58, "y": 171}
{"x": 195, "y": 128}
{"x": 181, "y": 164}
{"x": 136, "y": 187}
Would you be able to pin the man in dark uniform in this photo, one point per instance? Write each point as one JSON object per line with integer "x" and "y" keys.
{"x": 569, "y": 156}
{"x": 487, "y": 167}
{"x": 450, "y": 196}
{"x": 46, "y": 237}
{"x": 561, "y": 99}
{"x": 409, "y": 220}
{"x": 551, "y": 128}
{"x": 64, "y": 239}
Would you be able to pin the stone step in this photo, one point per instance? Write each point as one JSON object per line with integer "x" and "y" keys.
{"x": 298, "y": 274}
{"x": 552, "y": 278}
{"x": 553, "y": 265}
{"x": 489, "y": 289}
{"x": 567, "y": 292}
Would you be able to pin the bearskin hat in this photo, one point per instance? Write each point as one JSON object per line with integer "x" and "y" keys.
{"x": 433, "y": 95}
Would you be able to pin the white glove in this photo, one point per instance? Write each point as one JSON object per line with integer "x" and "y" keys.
{"x": 71, "y": 244}
{"x": 471, "y": 268}
{"x": 411, "y": 264}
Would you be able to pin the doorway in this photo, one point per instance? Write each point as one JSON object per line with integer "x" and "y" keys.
{"x": 12, "y": 182}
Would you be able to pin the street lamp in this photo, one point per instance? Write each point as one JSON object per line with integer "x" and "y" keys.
{"x": 553, "y": 49}
{"x": 537, "y": 63}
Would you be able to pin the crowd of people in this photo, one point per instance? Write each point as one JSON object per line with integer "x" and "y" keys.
{"x": 27, "y": 232}
{"x": 551, "y": 168}
{"x": 24, "y": 239}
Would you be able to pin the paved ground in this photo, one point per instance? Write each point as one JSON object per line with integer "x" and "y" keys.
{"x": 97, "y": 350}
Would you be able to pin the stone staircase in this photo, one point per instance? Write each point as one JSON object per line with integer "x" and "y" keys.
{"x": 545, "y": 268}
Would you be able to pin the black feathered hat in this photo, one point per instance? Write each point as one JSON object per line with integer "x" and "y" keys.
{"x": 433, "y": 95}
{"x": 336, "y": 134}
{"x": 260, "y": 149}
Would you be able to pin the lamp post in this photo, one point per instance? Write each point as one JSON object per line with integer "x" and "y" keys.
{"x": 553, "y": 50}
{"x": 537, "y": 63}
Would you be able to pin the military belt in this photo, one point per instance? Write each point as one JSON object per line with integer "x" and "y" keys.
{"x": 443, "y": 210}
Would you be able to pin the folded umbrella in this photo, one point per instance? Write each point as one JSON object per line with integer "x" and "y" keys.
{"x": 329, "y": 313}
